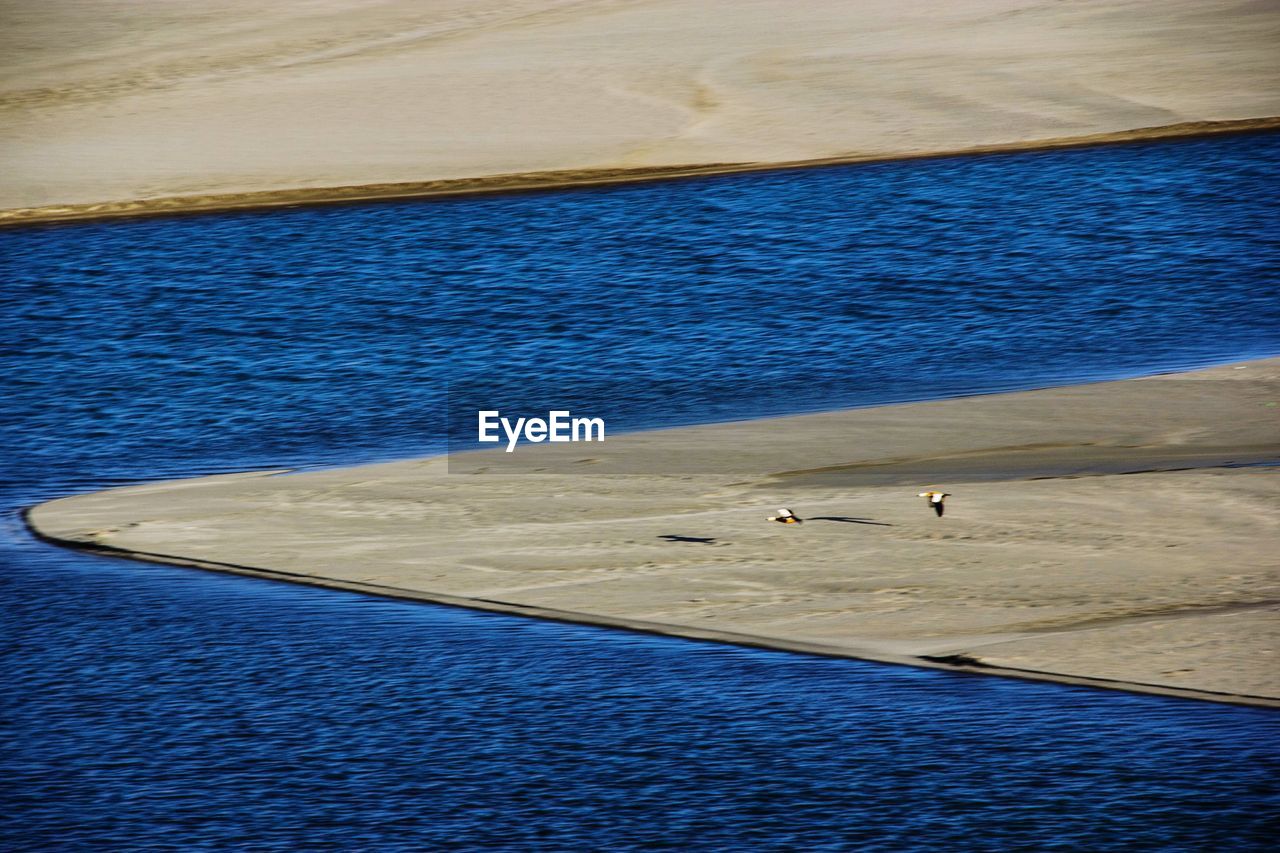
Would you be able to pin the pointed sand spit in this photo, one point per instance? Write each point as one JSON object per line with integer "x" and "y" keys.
{"x": 1119, "y": 534}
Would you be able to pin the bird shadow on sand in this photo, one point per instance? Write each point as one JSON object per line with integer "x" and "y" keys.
{"x": 705, "y": 540}
{"x": 848, "y": 519}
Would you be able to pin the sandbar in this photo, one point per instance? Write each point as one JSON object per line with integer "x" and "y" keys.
{"x": 1121, "y": 534}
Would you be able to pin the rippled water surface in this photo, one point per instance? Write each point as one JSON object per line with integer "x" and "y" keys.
{"x": 154, "y": 706}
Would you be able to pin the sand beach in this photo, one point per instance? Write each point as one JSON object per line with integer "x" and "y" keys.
{"x": 135, "y": 107}
{"x": 1120, "y": 534}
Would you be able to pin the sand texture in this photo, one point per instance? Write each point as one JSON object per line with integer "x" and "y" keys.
{"x": 136, "y": 106}
{"x": 1123, "y": 533}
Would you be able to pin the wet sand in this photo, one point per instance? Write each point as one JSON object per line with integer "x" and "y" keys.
{"x": 135, "y": 107}
{"x": 1120, "y": 534}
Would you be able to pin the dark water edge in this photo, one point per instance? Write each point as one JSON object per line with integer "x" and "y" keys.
{"x": 152, "y": 707}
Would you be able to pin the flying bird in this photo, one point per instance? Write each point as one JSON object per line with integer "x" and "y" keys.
{"x": 786, "y": 516}
{"x": 935, "y": 500}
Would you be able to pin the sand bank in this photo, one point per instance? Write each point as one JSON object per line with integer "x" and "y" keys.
{"x": 134, "y": 107}
{"x": 569, "y": 178}
{"x": 1121, "y": 534}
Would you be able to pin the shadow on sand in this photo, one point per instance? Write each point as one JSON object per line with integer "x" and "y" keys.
{"x": 848, "y": 519}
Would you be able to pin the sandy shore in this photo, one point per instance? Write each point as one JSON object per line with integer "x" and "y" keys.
{"x": 1120, "y": 534}
{"x": 135, "y": 106}
{"x": 568, "y": 178}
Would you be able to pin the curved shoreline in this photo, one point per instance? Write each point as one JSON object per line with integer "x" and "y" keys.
{"x": 523, "y": 182}
{"x": 945, "y": 663}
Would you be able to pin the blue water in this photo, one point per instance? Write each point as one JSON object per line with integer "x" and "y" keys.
{"x": 151, "y": 706}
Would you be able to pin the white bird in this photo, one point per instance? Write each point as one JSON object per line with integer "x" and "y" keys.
{"x": 786, "y": 516}
{"x": 935, "y": 500}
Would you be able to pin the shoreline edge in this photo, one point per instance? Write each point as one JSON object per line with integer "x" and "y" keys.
{"x": 587, "y": 177}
